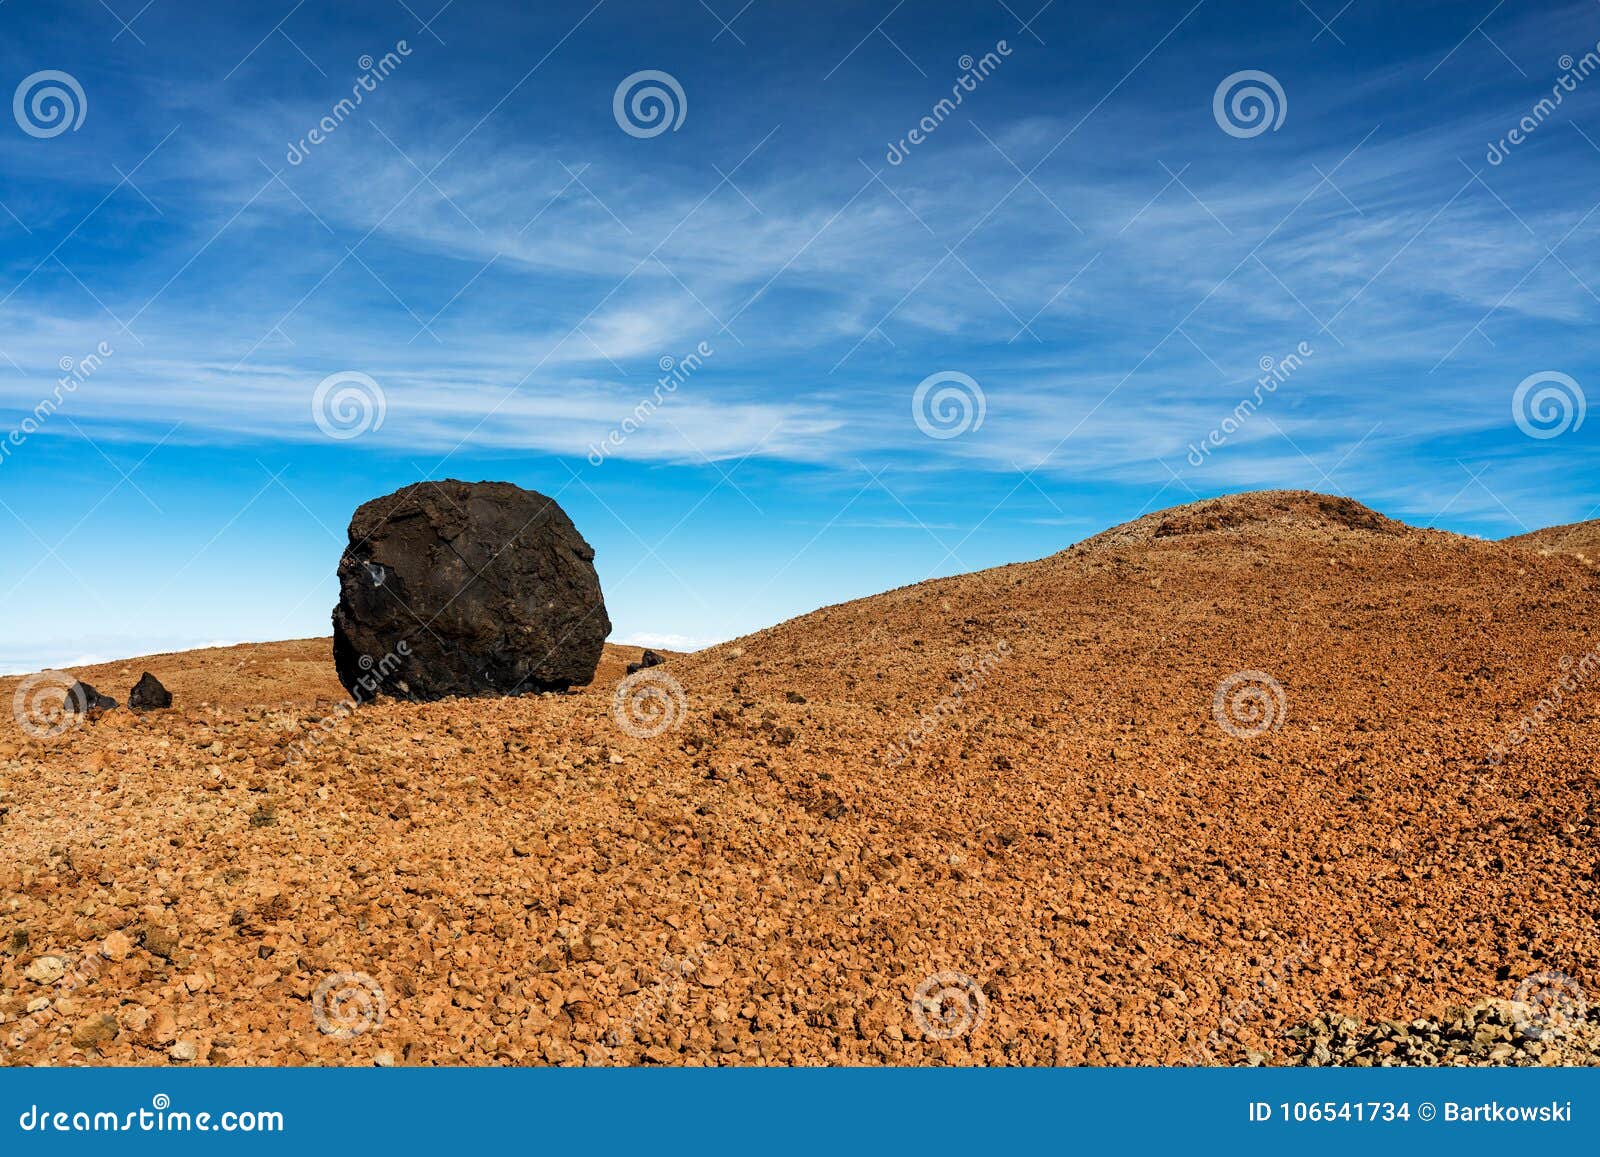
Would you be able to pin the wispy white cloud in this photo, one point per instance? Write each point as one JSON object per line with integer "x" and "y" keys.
{"x": 518, "y": 301}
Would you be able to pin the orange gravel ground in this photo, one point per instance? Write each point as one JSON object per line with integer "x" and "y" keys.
{"x": 769, "y": 880}
{"x": 1578, "y": 538}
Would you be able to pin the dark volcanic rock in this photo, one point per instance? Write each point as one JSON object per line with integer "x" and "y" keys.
{"x": 83, "y": 698}
{"x": 648, "y": 659}
{"x": 458, "y": 588}
{"x": 148, "y": 694}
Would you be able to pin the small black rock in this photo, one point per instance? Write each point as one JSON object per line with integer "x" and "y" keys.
{"x": 148, "y": 694}
{"x": 83, "y": 698}
{"x": 648, "y": 659}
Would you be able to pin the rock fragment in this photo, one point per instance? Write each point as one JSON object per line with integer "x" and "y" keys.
{"x": 160, "y": 940}
{"x": 95, "y": 1032}
{"x": 149, "y": 695}
{"x": 83, "y": 699}
{"x": 46, "y": 969}
{"x": 648, "y": 659}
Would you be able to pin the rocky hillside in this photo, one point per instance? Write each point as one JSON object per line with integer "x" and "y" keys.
{"x": 1167, "y": 796}
{"x": 1580, "y": 539}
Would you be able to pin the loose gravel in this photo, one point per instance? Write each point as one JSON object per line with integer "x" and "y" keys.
{"x": 1166, "y": 797}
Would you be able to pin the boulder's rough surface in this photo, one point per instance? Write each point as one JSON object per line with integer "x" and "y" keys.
{"x": 149, "y": 695}
{"x": 458, "y": 588}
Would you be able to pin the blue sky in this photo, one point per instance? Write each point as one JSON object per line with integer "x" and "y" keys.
{"x": 1082, "y": 239}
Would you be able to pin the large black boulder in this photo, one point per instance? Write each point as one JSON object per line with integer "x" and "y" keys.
{"x": 466, "y": 588}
